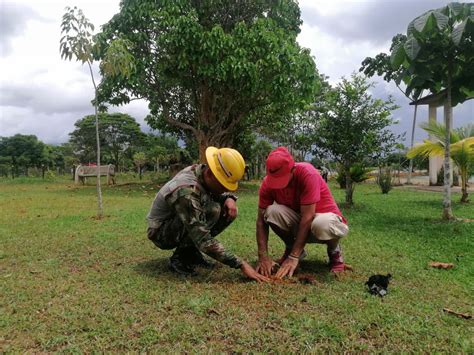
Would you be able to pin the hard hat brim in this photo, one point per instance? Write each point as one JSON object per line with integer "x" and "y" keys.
{"x": 211, "y": 163}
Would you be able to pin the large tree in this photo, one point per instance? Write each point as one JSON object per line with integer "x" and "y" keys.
{"x": 22, "y": 152}
{"x": 119, "y": 135}
{"x": 205, "y": 67}
{"x": 354, "y": 126}
{"x": 160, "y": 149}
{"x": 437, "y": 53}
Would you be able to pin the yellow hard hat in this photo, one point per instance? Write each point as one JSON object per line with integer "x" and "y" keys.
{"x": 227, "y": 165}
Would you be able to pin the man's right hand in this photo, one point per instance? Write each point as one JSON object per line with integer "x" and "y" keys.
{"x": 265, "y": 266}
{"x": 248, "y": 271}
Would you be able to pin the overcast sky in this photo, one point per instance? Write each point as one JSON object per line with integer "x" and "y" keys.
{"x": 43, "y": 95}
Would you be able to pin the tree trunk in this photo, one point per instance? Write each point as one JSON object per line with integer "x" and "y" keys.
{"x": 410, "y": 168}
{"x": 349, "y": 187}
{"x": 464, "y": 177}
{"x": 140, "y": 172}
{"x": 99, "y": 190}
{"x": 257, "y": 167}
{"x": 117, "y": 163}
{"x": 447, "y": 211}
{"x": 203, "y": 144}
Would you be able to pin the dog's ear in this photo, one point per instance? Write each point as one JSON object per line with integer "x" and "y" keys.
{"x": 389, "y": 276}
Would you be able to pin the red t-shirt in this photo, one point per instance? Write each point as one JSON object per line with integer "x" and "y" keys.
{"x": 305, "y": 188}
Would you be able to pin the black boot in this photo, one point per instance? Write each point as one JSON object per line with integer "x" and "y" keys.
{"x": 180, "y": 265}
{"x": 195, "y": 258}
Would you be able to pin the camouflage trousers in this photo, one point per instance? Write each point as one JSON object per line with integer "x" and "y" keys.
{"x": 172, "y": 233}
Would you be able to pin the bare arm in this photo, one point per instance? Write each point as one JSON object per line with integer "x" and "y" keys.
{"x": 262, "y": 234}
{"x": 307, "y": 216}
{"x": 265, "y": 263}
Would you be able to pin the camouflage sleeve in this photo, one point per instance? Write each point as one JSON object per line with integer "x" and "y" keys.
{"x": 190, "y": 211}
{"x": 221, "y": 199}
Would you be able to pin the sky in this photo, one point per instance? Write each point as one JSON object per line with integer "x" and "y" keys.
{"x": 42, "y": 94}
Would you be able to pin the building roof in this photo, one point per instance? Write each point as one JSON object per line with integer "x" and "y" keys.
{"x": 434, "y": 99}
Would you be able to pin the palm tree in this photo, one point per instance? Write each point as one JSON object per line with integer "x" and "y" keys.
{"x": 461, "y": 149}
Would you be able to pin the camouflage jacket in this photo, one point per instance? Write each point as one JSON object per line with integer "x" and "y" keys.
{"x": 193, "y": 205}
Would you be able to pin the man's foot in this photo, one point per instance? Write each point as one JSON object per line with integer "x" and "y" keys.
{"x": 286, "y": 253}
{"x": 180, "y": 267}
{"x": 206, "y": 264}
{"x": 336, "y": 261}
{"x": 195, "y": 258}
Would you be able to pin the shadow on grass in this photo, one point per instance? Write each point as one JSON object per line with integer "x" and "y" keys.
{"x": 317, "y": 268}
{"x": 153, "y": 268}
{"x": 157, "y": 269}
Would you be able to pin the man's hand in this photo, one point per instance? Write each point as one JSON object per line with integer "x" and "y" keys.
{"x": 248, "y": 271}
{"x": 287, "y": 268}
{"x": 230, "y": 209}
{"x": 265, "y": 266}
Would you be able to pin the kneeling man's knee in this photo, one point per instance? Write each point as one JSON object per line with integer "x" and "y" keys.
{"x": 328, "y": 226}
{"x": 272, "y": 214}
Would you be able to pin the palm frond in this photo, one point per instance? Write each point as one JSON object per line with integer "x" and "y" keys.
{"x": 462, "y": 153}
{"x": 438, "y": 132}
{"x": 426, "y": 149}
{"x": 466, "y": 131}
{"x": 435, "y": 129}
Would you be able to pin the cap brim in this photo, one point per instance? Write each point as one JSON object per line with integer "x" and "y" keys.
{"x": 211, "y": 163}
{"x": 278, "y": 183}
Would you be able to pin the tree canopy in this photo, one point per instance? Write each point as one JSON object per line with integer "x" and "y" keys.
{"x": 206, "y": 67}
{"x": 119, "y": 135}
{"x": 436, "y": 42}
{"x": 22, "y": 151}
{"x": 437, "y": 53}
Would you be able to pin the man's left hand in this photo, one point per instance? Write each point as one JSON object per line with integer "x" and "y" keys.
{"x": 287, "y": 268}
{"x": 230, "y": 209}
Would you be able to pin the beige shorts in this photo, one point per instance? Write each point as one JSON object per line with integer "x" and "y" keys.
{"x": 325, "y": 226}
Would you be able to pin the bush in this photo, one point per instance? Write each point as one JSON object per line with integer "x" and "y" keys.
{"x": 358, "y": 174}
{"x": 49, "y": 174}
{"x": 440, "y": 177}
{"x": 384, "y": 180}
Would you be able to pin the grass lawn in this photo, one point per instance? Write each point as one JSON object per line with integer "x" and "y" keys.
{"x": 72, "y": 283}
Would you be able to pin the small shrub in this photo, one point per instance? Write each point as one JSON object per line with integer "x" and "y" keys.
{"x": 49, "y": 174}
{"x": 384, "y": 180}
{"x": 358, "y": 174}
{"x": 440, "y": 177}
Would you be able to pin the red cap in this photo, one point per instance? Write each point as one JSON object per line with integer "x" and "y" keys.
{"x": 279, "y": 165}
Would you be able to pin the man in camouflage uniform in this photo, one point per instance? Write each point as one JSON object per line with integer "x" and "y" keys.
{"x": 194, "y": 207}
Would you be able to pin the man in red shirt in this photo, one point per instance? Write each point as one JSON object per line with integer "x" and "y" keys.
{"x": 295, "y": 201}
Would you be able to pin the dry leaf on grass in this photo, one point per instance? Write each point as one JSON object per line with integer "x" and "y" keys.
{"x": 211, "y": 311}
{"x": 461, "y": 315}
{"x": 439, "y": 265}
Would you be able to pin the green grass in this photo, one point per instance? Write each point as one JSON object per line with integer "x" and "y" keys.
{"x": 71, "y": 283}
